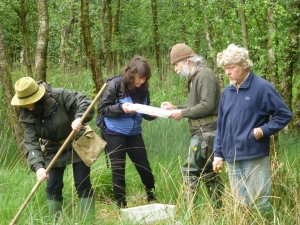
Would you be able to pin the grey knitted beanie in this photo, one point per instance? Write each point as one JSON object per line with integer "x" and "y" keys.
{"x": 180, "y": 52}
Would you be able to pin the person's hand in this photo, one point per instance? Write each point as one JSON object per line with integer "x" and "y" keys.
{"x": 76, "y": 124}
{"x": 258, "y": 133}
{"x": 167, "y": 105}
{"x": 176, "y": 114}
{"x": 41, "y": 174}
{"x": 128, "y": 108}
{"x": 218, "y": 165}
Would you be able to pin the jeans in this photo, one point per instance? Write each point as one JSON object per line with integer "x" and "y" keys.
{"x": 250, "y": 182}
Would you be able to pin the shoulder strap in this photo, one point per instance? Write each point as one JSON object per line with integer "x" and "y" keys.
{"x": 117, "y": 80}
{"x": 46, "y": 85}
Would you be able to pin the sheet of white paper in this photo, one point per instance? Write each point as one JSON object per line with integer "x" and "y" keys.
{"x": 150, "y": 110}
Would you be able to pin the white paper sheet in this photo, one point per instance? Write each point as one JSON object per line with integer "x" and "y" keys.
{"x": 150, "y": 110}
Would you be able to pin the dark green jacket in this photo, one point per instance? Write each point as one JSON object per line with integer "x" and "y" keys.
{"x": 203, "y": 99}
{"x": 61, "y": 107}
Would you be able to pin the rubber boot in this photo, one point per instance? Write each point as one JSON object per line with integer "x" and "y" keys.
{"x": 150, "y": 196}
{"x": 87, "y": 206}
{"x": 121, "y": 203}
{"x": 215, "y": 189}
{"x": 191, "y": 190}
{"x": 55, "y": 208}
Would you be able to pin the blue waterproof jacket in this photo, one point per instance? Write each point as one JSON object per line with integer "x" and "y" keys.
{"x": 255, "y": 104}
{"x": 110, "y": 109}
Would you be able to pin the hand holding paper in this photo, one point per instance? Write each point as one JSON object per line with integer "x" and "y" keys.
{"x": 129, "y": 108}
{"x": 168, "y": 106}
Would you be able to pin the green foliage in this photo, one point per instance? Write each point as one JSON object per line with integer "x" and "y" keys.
{"x": 174, "y": 89}
{"x": 178, "y": 21}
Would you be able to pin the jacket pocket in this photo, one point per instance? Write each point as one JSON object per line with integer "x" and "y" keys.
{"x": 251, "y": 136}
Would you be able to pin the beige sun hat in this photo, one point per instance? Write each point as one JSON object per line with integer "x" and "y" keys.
{"x": 27, "y": 92}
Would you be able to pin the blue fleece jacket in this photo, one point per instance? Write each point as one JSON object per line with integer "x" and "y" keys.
{"x": 255, "y": 104}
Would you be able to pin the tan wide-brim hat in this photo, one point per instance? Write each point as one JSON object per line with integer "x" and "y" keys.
{"x": 27, "y": 92}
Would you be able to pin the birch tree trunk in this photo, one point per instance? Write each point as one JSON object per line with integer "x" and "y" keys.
{"x": 8, "y": 92}
{"x": 103, "y": 32}
{"x": 42, "y": 40}
{"x": 243, "y": 24}
{"x": 291, "y": 57}
{"x": 272, "y": 69}
{"x": 88, "y": 42}
{"x": 271, "y": 57}
{"x": 115, "y": 32}
{"x": 296, "y": 111}
{"x": 292, "y": 70}
{"x": 22, "y": 13}
{"x": 156, "y": 38}
{"x": 64, "y": 41}
{"x": 109, "y": 30}
{"x": 209, "y": 43}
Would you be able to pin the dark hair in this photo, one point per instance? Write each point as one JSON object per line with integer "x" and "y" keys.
{"x": 138, "y": 66}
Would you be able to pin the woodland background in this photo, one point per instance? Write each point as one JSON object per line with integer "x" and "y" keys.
{"x": 79, "y": 44}
{"x": 70, "y": 36}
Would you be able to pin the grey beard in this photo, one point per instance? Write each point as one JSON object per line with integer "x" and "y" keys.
{"x": 233, "y": 82}
{"x": 185, "y": 72}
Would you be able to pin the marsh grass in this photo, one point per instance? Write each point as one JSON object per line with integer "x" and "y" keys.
{"x": 167, "y": 142}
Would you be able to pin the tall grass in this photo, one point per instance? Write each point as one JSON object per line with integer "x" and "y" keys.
{"x": 167, "y": 142}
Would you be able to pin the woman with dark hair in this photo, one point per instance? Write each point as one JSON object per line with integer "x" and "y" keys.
{"x": 48, "y": 116}
{"x": 121, "y": 126}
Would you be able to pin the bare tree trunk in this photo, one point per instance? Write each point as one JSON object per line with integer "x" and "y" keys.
{"x": 156, "y": 38}
{"x": 107, "y": 32}
{"x": 64, "y": 45}
{"x": 63, "y": 54}
{"x": 42, "y": 40}
{"x": 243, "y": 24}
{"x": 115, "y": 31}
{"x": 80, "y": 60}
{"x": 22, "y": 13}
{"x": 272, "y": 65}
{"x": 6, "y": 83}
{"x": 294, "y": 54}
{"x": 88, "y": 42}
{"x": 272, "y": 69}
{"x": 296, "y": 111}
{"x": 103, "y": 32}
{"x": 209, "y": 43}
{"x": 291, "y": 57}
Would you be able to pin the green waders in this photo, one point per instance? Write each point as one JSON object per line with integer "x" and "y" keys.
{"x": 87, "y": 206}
{"x": 55, "y": 208}
{"x": 199, "y": 167}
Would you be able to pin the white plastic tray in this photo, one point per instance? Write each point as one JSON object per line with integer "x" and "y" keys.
{"x": 148, "y": 213}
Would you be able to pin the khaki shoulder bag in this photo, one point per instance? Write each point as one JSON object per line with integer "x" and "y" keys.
{"x": 89, "y": 146}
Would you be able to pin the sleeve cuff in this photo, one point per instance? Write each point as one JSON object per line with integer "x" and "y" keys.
{"x": 218, "y": 158}
{"x": 38, "y": 167}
